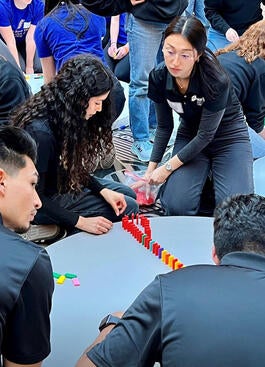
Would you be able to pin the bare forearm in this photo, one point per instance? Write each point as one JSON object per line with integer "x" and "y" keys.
{"x": 30, "y": 52}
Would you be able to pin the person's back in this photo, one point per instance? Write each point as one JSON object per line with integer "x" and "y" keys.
{"x": 244, "y": 61}
{"x": 246, "y": 78}
{"x": 14, "y": 89}
{"x": 26, "y": 270}
{"x": 26, "y": 284}
{"x": 67, "y": 31}
{"x": 201, "y": 315}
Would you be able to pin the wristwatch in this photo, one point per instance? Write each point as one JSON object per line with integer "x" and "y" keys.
{"x": 108, "y": 320}
{"x": 168, "y": 167}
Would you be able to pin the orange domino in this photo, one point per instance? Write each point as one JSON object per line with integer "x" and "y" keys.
{"x": 166, "y": 258}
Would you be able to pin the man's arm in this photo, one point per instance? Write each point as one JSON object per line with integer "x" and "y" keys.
{"x": 84, "y": 361}
{"x": 110, "y": 7}
{"x": 11, "y": 364}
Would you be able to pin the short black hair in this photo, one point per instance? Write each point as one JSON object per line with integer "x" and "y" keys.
{"x": 239, "y": 225}
{"x": 15, "y": 144}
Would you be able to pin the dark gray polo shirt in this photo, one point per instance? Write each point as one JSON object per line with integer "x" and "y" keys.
{"x": 199, "y": 316}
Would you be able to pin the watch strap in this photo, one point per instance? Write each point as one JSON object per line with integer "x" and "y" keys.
{"x": 108, "y": 320}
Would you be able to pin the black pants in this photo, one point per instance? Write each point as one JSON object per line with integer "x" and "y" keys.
{"x": 121, "y": 68}
{"x": 21, "y": 47}
{"x": 88, "y": 204}
{"x": 231, "y": 165}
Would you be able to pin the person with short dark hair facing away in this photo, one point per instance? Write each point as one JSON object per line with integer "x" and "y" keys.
{"x": 26, "y": 283}
{"x": 200, "y": 315}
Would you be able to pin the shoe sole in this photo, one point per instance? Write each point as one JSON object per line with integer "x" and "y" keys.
{"x": 41, "y": 233}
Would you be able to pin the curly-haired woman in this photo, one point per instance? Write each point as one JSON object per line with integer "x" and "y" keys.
{"x": 244, "y": 60}
{"x": 69, "y": 118}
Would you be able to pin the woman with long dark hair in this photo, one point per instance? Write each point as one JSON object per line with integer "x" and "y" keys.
{"x": 212, "y": 136}
{"x": 69, "y": 30}
{"x": 69, "y": 118}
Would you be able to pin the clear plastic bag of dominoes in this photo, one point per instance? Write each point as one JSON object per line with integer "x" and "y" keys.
{"x": 145, "y": 193}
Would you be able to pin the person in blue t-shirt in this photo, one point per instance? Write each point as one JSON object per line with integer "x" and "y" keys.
{"x": 117, "y": 49}
{"x": 68, "y": 30}
{"x": 17, "y": 25}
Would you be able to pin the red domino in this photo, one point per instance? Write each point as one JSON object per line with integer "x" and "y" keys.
{"x": 155, "y": 245}
{"x": 157, "y": 249}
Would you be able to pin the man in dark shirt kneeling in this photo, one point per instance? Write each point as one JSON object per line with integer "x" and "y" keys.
{"x": 202, "y": 315}
{"x": 26, "y": 282}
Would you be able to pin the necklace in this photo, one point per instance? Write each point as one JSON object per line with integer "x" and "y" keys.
{"x": 184, "y": 83}
{"x": 179, "y": 84}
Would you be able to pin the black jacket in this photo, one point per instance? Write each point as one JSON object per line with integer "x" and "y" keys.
{"x": 151, "y": 10}
{"x": 236, "y": 14}
{"x": 13, "y": 89}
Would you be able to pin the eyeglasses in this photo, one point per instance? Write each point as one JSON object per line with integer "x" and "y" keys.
{"x": 183, "y": 55}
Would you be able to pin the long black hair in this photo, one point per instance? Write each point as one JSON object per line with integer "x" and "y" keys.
{"x": 63, "y": 102}
{"x": 207, "y": 65}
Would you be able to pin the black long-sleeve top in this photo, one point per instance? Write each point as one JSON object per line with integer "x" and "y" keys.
{"x": 47, "y": 166}
{"x": 203, "y": 121}
{"x": 236, "y": 14}
{"x": 249, "y": 82}
{"x": 150, "y": 10}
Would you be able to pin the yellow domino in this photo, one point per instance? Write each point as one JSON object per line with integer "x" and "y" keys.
{"x": 170, "y": 260}
{"x": 164, "y": 252}
{"x": 61, "y": 279}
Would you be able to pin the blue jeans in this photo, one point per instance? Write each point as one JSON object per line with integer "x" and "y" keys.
{"x": 259, "y": 176}
{"x": 196, "y": 7}
{"x": 216, "y": 40}
{"x": 257, "y": 143}
{"x": 145, "y": 40}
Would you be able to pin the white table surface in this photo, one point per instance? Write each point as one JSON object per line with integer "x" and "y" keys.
{"x": 113, "y": 269}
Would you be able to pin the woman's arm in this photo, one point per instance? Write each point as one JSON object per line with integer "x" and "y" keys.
{"x": 48, "y": 68}
{"x": 8, "y": 36}
{"x": 213, "y": 14}
{"x": 114, "y": 33}
{"x": 30, "y": 49}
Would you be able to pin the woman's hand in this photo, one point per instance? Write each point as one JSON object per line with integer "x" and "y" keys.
{"x": 158, "y": 176}
{"x": 115, "y": 199}
{"x": 112, "y": 50}
{"x": 231, "y": 35}
{"x": 121, "y": 52}
{"x": 94, "y": 225}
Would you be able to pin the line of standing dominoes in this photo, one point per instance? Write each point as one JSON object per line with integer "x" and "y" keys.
{"x": 144, "y": 237}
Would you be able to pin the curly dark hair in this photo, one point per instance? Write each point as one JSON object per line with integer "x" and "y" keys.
{"x": 63, "y": 102}
{"x": 250, "y": 45}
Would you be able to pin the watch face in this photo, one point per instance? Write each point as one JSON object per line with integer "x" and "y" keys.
{"x": 168, "y": 166}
